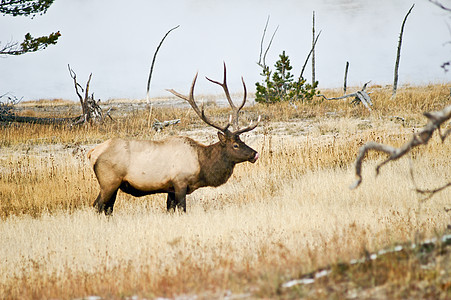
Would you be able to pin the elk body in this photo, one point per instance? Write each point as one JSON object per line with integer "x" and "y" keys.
{"x": 176, "y": 166}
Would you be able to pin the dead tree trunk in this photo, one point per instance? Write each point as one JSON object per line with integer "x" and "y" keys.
{"x": 91, "y": 110}
{"x": 150, "y": 74}
{"x": 153, "y": 62}
{"x": 346, "y": 78}
{"x": 313, "y": 48}
{"x": 398, "y": 54}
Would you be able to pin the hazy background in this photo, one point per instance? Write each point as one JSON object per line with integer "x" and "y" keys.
{"x": 116, "y": 40}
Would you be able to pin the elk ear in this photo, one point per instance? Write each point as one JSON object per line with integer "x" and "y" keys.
{"x": 222, "y": 138}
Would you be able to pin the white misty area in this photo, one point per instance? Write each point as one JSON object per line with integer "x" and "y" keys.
{"x": 116, "y": 42}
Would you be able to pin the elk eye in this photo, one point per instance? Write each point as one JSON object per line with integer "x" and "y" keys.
{"x": 235, "y": 146}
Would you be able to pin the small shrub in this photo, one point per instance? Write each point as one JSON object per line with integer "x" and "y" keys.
{"x": 280, "y": 85}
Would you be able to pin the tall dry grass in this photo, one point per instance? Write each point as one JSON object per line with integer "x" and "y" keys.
{"x": 288, "y": 214}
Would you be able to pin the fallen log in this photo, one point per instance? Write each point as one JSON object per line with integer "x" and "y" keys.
{"x": 159, "y": 126}
{"x": 361, "y": 96}
{"x": 35, "y": 120}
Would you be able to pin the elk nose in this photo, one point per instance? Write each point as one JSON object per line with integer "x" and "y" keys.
{"x": 255, "y": 158}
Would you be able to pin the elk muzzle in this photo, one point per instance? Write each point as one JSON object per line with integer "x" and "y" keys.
{"x": 254, "y": 159}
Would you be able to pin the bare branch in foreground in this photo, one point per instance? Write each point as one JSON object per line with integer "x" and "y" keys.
{"x": 436, "y": 119}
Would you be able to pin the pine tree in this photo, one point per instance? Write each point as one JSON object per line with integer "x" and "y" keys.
{"x": 27, "y": 8}
{"x": 281, "y": 86}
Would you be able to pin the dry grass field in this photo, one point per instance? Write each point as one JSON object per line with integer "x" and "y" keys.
{"x": 288, "y": 214}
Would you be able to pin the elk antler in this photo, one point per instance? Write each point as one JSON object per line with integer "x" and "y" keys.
{"x": 200, "y": 113}
{"x": 236, "y": 110}
{"x": 248, "y": 128}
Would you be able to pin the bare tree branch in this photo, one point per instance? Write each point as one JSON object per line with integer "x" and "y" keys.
{"x": 153, "y": 61}
{"x": 398, "y": 53}
{"x": 435, "y": 120}
{"x": 76, "y": 85}
{"x": 10, "y": 48}
{"x": 261, "y": 43}
{"x": 314, "y": 40}
{"x": 262, "y": 60}
{"x": 310, "y": 53}
{"x": 150, "y": 74}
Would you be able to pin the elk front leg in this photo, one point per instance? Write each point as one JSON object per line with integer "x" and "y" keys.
{"x": 180, "y": 198}
{"x": 171, "y": 202}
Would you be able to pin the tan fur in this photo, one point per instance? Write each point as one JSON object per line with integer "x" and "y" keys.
{"x": 94, "y": 153}
{"x": 147, "y": 165}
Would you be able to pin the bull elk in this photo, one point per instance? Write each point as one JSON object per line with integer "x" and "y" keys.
{"x": 177, "y": 166}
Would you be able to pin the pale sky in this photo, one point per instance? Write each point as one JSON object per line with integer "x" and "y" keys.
{"x": 116, "y": 40}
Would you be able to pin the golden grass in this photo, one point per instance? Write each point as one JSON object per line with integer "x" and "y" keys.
{"x": 45, "y": 102}
{"x": 288, "y": 214}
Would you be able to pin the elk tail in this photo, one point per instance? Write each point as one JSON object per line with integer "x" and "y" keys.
{"x": 89, "y": 153}
{"x": 92, "y": 158}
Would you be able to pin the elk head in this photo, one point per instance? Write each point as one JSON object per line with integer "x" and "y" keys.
{"x": 235, "y": 149}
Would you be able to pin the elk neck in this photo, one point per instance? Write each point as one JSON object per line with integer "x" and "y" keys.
{"x": 215, "y": 167}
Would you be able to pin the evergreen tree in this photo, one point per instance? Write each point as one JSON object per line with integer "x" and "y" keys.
{"x": 281, "y": 86}
{"x": 27, "y": 8}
